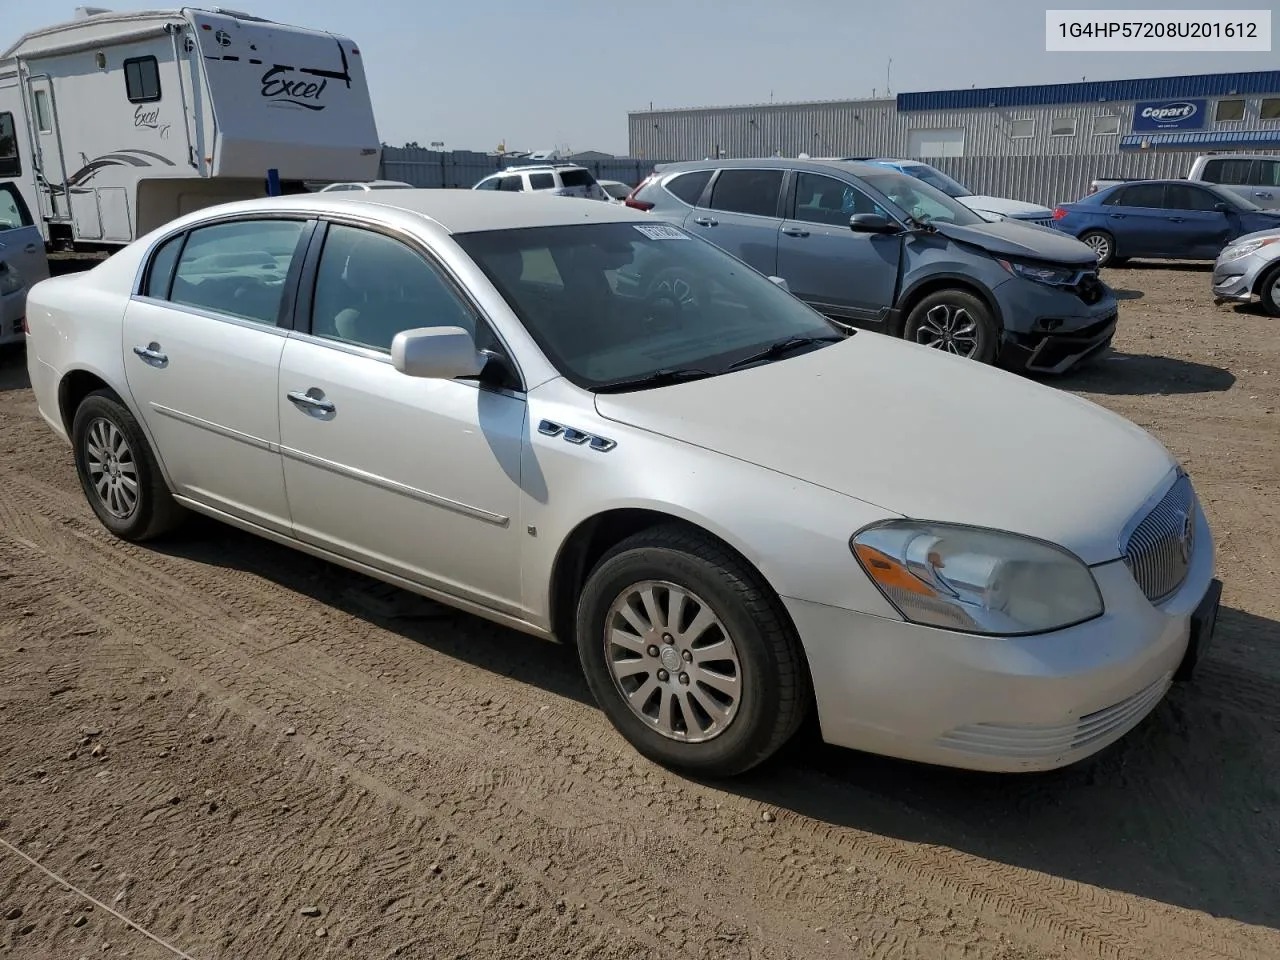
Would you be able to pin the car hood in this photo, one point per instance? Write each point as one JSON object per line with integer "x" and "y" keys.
{"x": 1005, "y": 207}
{"x": 1013, "y": 239}
{"x": 923, "y": 434}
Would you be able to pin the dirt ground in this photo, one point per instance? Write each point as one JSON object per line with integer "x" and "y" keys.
{"x": 247, "y": 753}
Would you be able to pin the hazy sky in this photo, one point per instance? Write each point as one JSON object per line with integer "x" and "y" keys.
{"x": 544, "y": 73}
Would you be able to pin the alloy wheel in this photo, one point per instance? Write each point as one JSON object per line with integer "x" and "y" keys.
{"x": 673, "y": 660}
{"x": 1100, "y": 246}
{"x": 950, "y": 328}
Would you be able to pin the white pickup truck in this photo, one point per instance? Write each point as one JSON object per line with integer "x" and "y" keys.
{"x": 1254, "y": 177}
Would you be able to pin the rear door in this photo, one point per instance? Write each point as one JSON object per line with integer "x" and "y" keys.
{"x": 577, "y": 182}
{"x": 1139, "y": 221}
{"x": 846, "y": 275}
{"x": 23, "y": 257}
{"x": 743, "y": 216}
{"x": 1266, "y": 185}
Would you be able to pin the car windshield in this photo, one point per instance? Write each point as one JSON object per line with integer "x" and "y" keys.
{"x": 924, "y": 202}
{"x": 936, "y": 178}
{"x": 615, "y": 302}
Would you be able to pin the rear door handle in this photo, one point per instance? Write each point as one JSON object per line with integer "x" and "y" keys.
{"x": 795, "y": 232}
{"x": 313, "y": 399}
{"x": 152, "y": 355}
{"x": 1266, "y": 195}
{"x": 1117, "y": 216}
{"x": 1176, "y": 219}
{"x": 706, "y": 222}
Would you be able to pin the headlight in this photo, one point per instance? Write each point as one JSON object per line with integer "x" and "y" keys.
{"x": 1238, "y": 250}
{"x": 10, "y": 280}
{"x": 1038, "y": 272}
{"x": 976, "y": 580}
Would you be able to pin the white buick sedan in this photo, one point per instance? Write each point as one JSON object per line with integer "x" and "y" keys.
{"x": 583, "y": 424}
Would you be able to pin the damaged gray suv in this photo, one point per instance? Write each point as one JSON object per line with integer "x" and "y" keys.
{"x": 874, "y": 248}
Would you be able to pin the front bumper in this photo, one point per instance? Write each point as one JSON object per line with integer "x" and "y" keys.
{"x": 1234, "y": 282}
{"x": 1049, "y": 330}
{"x": 1000, "y": 704}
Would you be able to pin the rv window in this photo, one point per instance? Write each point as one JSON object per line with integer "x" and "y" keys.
{"x": 13, "y": 211}
{"x": 42, "y": 112}
{"x": 142, "y": 79}
{"x": 237, "y": 268}
{"x": 10, "y": 165}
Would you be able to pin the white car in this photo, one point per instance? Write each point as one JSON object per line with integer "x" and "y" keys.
{"x": 23, "y": 262}
{"x": 360, "y": 185}
{"x": 499, "y": 403}
{"x": 616, "y": 189}
{"x": 558, "y": 179}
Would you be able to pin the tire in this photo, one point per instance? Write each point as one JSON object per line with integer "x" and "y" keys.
{"x": 1269, "y": 292}
{"x": 103, "y": 423}
{"x": 772, "y": 687}
{"x": 1103, "y": 244}
{"x": 954, "y": 321}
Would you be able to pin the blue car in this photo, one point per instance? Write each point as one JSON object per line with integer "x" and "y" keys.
{"x": 1161, "y": 219}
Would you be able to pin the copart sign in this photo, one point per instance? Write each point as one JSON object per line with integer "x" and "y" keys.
{"x": 1169, "y": 115}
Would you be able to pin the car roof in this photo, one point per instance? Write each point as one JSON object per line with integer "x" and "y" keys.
{"x": 774, "y": 163}
{"x": 457, "y": 211}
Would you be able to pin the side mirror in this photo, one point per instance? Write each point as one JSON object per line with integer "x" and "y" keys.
{"x": 1222, "y": 206}
{"x": 871, "y": 223}
{"x": 782, "y": 283}
{"x": 436, "y": 353}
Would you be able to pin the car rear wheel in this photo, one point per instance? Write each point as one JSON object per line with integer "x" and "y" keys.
{"x": 117, "y": 471}
{"x": 689, "y": 654}
{"x": 1102, "y": 245}
{"x": 954, "y": 321}
{"x": 1269, "y": 292}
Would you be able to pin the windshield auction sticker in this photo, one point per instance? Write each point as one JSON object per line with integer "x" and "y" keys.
{"x": 660, "y": 231}
{"x": 1194, "y": 31}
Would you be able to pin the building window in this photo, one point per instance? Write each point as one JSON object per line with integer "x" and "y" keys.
{"x": 1270, "y": 109}
{"x": 1022, "y": 129}
{"x": 1229, "y": 110}
{"x": 1106, "y": 126}
{"x": 142, "y": 80}
{"x": 1063, "y": 127}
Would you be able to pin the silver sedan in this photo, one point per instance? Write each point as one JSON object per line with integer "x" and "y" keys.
{"x": 1250, "y": 267}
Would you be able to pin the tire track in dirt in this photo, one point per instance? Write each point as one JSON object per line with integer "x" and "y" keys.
{"x": 1001, "y": 900}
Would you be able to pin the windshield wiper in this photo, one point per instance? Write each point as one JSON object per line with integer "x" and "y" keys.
{"x": 659, "y": 378}
{"x": 782, "y": 347}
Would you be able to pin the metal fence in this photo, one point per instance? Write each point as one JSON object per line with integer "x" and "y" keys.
{"x": 463, "y": 168}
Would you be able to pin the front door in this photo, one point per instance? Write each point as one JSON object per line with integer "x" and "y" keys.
{"x": 742, "y": 216}
{"x": 202, "y": 349}
{"x": 43, "y": 113}
{"x": 1203, "y": 230}
{"x": 846, "y": 275}
{"x": 417, "y": 477}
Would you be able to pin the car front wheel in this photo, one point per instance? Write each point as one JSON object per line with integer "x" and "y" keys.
{"x": 689, "y": 654}
{"x": 1269, "y": 292}
{"x": 117, "y": 471}
{"x": 954, "y": 321}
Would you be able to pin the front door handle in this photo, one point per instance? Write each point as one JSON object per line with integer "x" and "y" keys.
{"x": 706, "y": 222}
{"x": 1117, "y": 216}
{"x": 795, "y": 232}
{"x": 152, "y": 355}
{"x": 1176, "y": 219}
{"x": 312, "y": 400}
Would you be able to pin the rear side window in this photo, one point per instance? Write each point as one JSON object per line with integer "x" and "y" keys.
{"x": 1143, "y": 195}
{"x": 747, "y": 191}
{"x": 160, "y": 273}
{"x": 142, "y": 79}
{"x": 689, "y": 186}
{"x": 238, "y": 268}
{"x": 10, "y": 164}
{"x": 541, "y": 181}
{"x": 577, "y": 178}
{"x": 1269, "y": 173}
{"x": 1232, "y": 173}
{"x": 511, "y": 184}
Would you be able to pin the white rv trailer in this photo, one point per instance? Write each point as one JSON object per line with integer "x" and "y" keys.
{"x": 114, "y": 123}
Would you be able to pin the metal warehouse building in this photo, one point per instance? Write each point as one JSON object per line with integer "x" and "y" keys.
{"x": 1042, "y": 143}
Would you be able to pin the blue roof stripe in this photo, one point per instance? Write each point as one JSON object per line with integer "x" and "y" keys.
{"x": 1211, "y": 138}
{"x": 1151, "y": 88}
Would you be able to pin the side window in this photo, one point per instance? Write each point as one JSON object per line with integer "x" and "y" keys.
{"x": 238, "y": 268}
{"x": 490, "y": 184}
{"x": 512, "y": 184}
{"x": 10, "y": 164}
{"x": 1233, "y": 173}
{"x": 747, "y": 191}
{"x": 1185, "y": 197}
{"x": 1269, "y": 173}
{"x": 542, "y": 181}
{"x": 1143, "y": 195}
{"x": 142, "y": 79}
{"x": 160, "y": 273}
{"x": 370, "y": 286}
{"x": 13, "y": 211}
{"x": 689, "y": 186}
{"x": 826, "y": 200}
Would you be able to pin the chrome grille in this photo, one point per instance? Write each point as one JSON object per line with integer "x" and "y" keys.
{"x": 1158, "y": 551}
